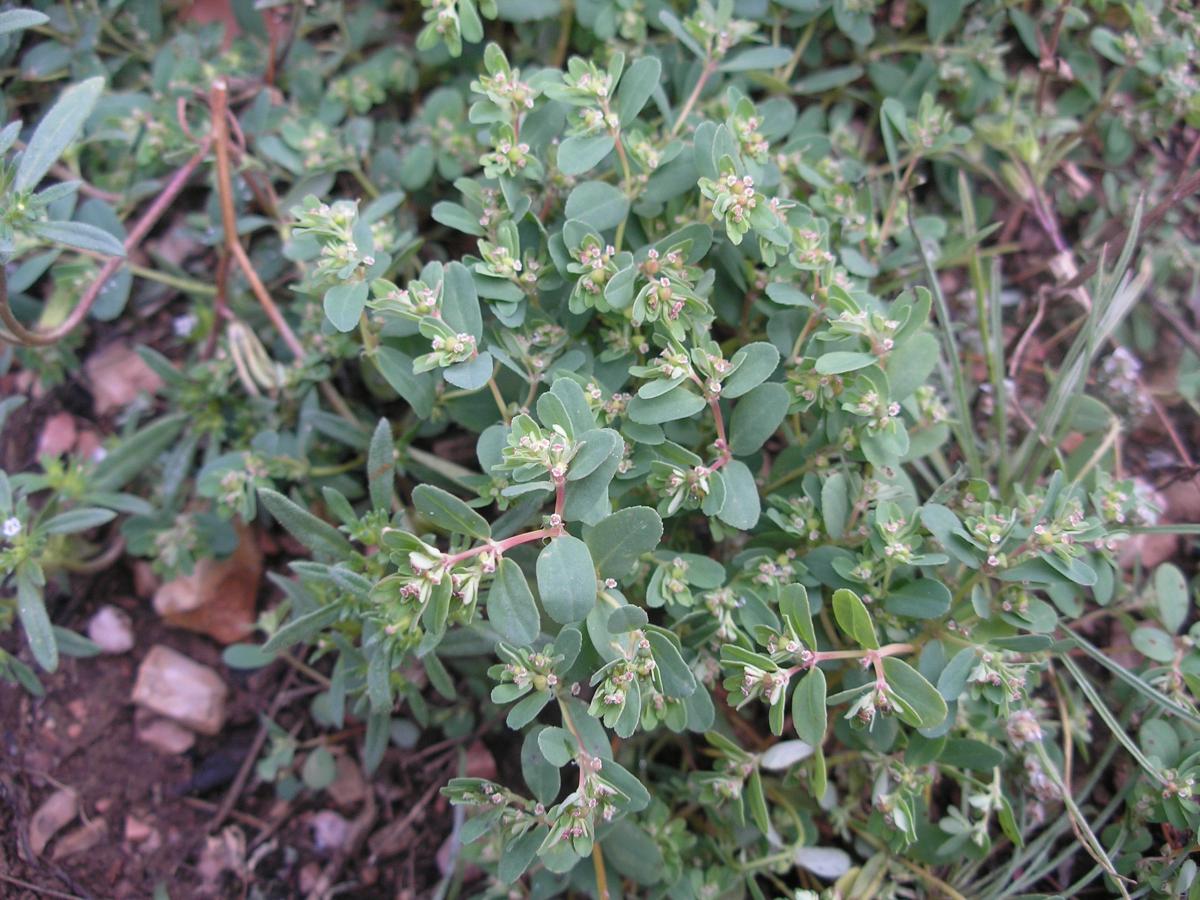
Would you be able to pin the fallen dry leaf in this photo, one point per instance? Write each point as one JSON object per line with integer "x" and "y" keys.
{"x": 219, "y": 597}
{"x": 224, "y": 852}
{"x": 83, "y": 838}
{"x": 56, "y": 811}
{"x": 116, "y": 375}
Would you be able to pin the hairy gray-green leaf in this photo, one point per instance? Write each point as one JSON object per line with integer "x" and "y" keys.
{"x": 55, "y": 132}
{"x": 319, "y": 536}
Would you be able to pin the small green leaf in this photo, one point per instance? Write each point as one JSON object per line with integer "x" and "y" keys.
{"x": 924, "y": 598}
{"x": 460, "y": 300}
{"x": 55, "y": 132}
{"x": 677, "y": 403}
{"x": 540, "y": 775}
{"x": 134, "y": 455}
{"x": 527, "y": 710}
{"x": 966, "y": 753}
{"x": 838, "y": 362}
{"x": 1153, "y": 643}
{"x": 752, "y": 365}
{"x": 783, "y": 755}
{"x": 852, "y": 617}
{"x": 577, "y": 155}
{"x": 397, "y": 370}
{"x": 302, "y": 629}
{"x": 379, "y": 678}
{"x": 510, "y": 605}
{"x": 742, "y": 505}
{"x": 31, "y": 608}
{"x": 76, "y": 520}
{"x": 598, "y": 204}
{"x": 381, "y": 466}
{"x": 835, "y": 504}
{"x": 519, "y": 853}
{"x": 637, "y": 84}
{"x": 344, "y": 304}
{"x": 320, "y": 537}
{"x": 566, "y": 580}
{"x": 926, "y": 703}
{"x": 319, "y": 769}
{"x": 760, "y": 58}
{"x": 794, "y": 605}
{"x": 81, "y": 236}
{"x": 1170, "y": 589}
{"x": 448, "y": 513}
{"x": 756, "y": 417}
{"x": 625, "y": 619}
{"x": 810, "y": 716}
{"x": 75, "y": 645}
{"x": 455, "y": 216}
{"x": 618, "y": 541}
{"x": 677, "y": 678}
{"x": 953, "y": 679}
{"x": 19, "y": 19}
{"x": 756, "y": 801}
{"x": 597, "y": 446}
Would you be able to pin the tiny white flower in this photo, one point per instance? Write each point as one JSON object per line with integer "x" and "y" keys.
{"x": 11, "y": 527}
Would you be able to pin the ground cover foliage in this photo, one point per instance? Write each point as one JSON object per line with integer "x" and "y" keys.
{"x": 648, "y": 386}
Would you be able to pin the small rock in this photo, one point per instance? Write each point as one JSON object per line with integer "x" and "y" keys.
{"x": 136, "y": 830}
{"x": 85, "y": 837}
{"x": 162, "y": 734}
{"x": 329, "y": 830}
{"x": 56, "y": 811}
{"x": 219, "y": 597}
{"x": 111, "y": 629}
{"x": 348, "y": 787}
{"x": 116, "y": 375}
{"x": 58, "y": 435}
{"x": 172, "y": 685}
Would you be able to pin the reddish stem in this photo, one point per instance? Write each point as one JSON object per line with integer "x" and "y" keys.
{"x": 139, "y": 231}
{"x": 499, "y": 547}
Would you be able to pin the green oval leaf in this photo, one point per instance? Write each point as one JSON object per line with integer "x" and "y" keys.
{"x": 566, "y": 580}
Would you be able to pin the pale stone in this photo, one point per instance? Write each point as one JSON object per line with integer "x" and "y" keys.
{"x": 172, "y": 685}
{"x": 136, "y": 830}
{"x": 58, "y": 435}
{"x": 112, "y": 630}
{"x": 330, "y": 830}
{"x": 163, "y": 734}
{"x": 116, "y": 375}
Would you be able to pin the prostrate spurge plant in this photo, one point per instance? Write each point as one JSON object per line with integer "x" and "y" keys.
{"x": 911, "y": 626}
{"x": 717, "y": 432}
